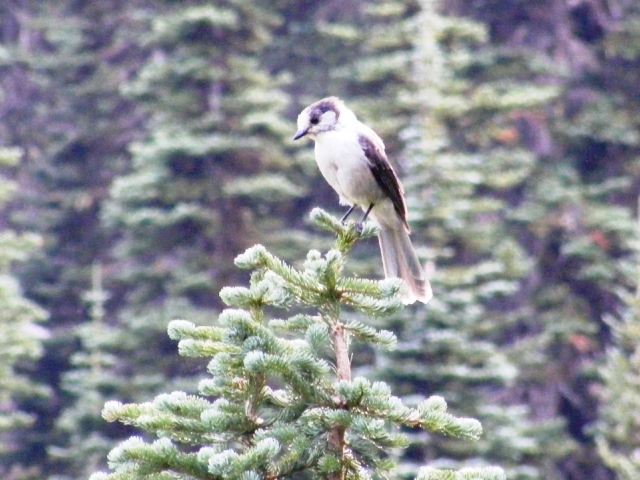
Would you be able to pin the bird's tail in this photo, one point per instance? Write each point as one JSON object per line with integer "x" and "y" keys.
{"x": 400, "y": 261}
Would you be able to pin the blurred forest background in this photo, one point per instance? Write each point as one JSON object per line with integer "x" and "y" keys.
{"x": 147, "y": 143}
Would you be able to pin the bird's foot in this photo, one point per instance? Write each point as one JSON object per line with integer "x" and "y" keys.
{"x": 360, "y": 224}
{"x": 343, "y": 220}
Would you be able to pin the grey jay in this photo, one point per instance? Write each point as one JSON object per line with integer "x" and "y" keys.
{"x": 352, "y": 159}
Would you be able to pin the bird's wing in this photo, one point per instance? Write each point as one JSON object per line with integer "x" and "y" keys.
{"x": 382, "y": 171}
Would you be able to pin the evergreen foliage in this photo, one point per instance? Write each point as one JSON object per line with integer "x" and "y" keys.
{"x": 618, "y": 441}
{"x": 458, "y": 179}
{"x": 526, "y": 227}
{"x": 613, "y": 121}
{"x": 281, "y": 401}
{"x": 75, "y": 59}
{"x": 617, "y": 435}
{"x": 21, "y": 335}
{"x": 514, "y": 126}
{"x": 62, "y": 67}
{"x": 209, "y": 174}
{"x": 90, "y": 382}
{"x": 479, "y": 174}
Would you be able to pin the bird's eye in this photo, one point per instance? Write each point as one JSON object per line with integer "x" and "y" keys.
{"x": 314, "y": 120}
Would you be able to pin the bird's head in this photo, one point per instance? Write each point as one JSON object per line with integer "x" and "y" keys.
{"x": 322, "y": 116}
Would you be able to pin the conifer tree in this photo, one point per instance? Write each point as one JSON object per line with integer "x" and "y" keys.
{"x": 210, "y": 170}
{"x": 397, "y": 49}
{"x": 62, "y": 66}
{"x": 579, "y": 212}
{"x": 209, "y": 177}
{"x": 618, "y": 442}
{"x": 90, "y": 382}
{"x": 282, "y": 401}
{"x": 617, "y": 435}
{"x": 459, "y": 176}
{"x": 20, "y": 337}
{"x": 514, "y": 228}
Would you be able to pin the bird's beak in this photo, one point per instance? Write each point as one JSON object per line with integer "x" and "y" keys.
{"x": 301, "y": 133}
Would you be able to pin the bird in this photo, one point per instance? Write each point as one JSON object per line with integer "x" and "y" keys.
{"x": 352, "y": 159}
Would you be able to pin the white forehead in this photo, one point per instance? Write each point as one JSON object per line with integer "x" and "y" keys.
{"x": 303, "y": 118}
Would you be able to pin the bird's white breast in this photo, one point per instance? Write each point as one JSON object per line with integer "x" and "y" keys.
{"x": 345, "y": 166}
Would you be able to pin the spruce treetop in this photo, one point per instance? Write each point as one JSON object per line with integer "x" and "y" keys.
{"x": 281, "y": 400}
